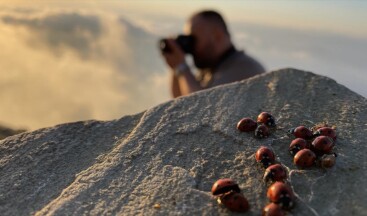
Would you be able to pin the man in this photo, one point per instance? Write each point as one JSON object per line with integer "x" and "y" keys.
{"x": 214, "y": 55}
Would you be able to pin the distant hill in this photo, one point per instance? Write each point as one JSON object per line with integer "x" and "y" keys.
{"x": 5, "y": 132}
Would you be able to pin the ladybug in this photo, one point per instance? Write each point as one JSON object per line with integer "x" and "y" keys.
{"x": 318, "y": 126}
{"x": 281, "y": 194}
{"x": 267, "y": 119}
{"x": 265, "y": 156}
{"x": 297, "y": 144}
{"x": 301, "y": 132}
{"x": 273, "y": 209}
{"x": 326, "y": 131}
{"x": 262, "y": 131}
{"x": 225, "y": 185}
{"x": 275, "y": 172}
{"x": 304, "y": 158}
{"x": 328, "y": 160}
{"x": 246, "y": 125}
{"x": 235, "y": 201}
{"x": 323, "y": 144}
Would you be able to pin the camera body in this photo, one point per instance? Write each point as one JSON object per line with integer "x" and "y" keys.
{"x": 186, "y": 43}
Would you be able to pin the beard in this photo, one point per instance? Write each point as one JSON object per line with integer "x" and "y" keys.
{"x": 204, "y": 59}
{"x": 202, "y": 62}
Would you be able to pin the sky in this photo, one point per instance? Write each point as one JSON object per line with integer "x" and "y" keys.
{"x": 63, "y": 61}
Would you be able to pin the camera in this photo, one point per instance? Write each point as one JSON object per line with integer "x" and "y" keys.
{"x": 186, "y": 42}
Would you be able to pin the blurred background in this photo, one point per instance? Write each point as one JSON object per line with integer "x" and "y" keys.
{"x": 63, "y": 61}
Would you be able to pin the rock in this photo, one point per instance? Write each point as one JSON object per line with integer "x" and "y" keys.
{"x": 164, "y": 161}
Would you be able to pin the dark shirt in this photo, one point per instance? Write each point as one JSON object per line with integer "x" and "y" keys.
{"x": 233, "y": 66}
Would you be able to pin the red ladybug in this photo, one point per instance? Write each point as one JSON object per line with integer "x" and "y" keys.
{"x": 281, "y": 194}
{"x": 235, "y": 202}
{"x": 328, "y": 160}
{"x": 267, "y": 119}
{"x": 296, "y": 145}
{"x": 275, "y": 172}
{"x": 265, "y": 156}
{"x": 326, "y": 131}
{"x": 323, "y": 144}
{"x": 304, "y": 158}
{"x": 273, "y": 209}
{"x": 246, "y": 125}
{"x": 262, "y": 131}
{"x": 225, "y": 185}
{"x": 301, "y": 132}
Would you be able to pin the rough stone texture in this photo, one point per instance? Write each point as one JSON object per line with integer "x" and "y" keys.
{"x": 172, "y": 154}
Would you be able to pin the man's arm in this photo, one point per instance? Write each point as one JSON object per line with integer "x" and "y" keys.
{"x": 186, "y": 80}
{"x": 183, "y": 81}
{"x": 175, "y": 87}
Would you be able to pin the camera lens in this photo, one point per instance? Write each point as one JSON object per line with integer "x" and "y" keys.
{"x": 186, "y": 42}
{"x": 163, "y": 45}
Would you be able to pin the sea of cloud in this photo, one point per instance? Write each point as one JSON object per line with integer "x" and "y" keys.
{"x": 59, "y": 66}
{"x": 68, "y": 65}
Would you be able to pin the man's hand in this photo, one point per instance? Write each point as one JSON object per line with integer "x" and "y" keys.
{"x": 176, "y": 56}
{"x": 185, "y": 83}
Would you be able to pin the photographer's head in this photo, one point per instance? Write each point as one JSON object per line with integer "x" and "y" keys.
{"x": 212, "y": 38}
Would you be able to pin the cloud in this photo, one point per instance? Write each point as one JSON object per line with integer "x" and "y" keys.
{"x": 328, "y": 47}
{"x": 68, "y": 66}
{"x": 337, "y": 56}
{"x": 143, "y": 49}
{"x": 69, "y": 30}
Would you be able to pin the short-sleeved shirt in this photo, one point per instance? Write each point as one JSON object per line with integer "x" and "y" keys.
{"x": 236, "y": 67}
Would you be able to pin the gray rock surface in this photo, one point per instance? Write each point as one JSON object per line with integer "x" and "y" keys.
{"x": 172, "y": 154}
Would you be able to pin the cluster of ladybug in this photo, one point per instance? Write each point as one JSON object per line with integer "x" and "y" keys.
{"x": 261, "y": 126}
{"x": 279, "y": 193}
{"x": 309, "y": 147}
{"x": 313, "y": 146}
